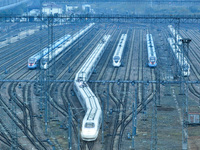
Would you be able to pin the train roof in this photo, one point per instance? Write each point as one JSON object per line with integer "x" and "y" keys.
{"x": 48, "y": 49}
{"x": 150, "y": 46}
{"x": 86, "y": 68}
{"x": 175, "y": 34}
{"x": 120, "y": 46}
{"x": 56, "y": 51}
{"x": 178, "y": 53}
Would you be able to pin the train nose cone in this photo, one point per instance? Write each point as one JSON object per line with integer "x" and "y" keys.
{"x": 89, "y": 135}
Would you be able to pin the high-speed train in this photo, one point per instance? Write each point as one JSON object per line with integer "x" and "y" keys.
{"x": 93, "y": 118}
{"x": 175, "y": 34}
{"x": 119, "y": 51}
{"x": 46, "y": 60}
{"x": 152, "y": 59}
{"x": 184, "y": 65}
{"x": 34, "y": 60}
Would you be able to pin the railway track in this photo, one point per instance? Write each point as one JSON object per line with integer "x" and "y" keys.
{"x": 126, "y": 120}
{"x": 193, "y": 57}
{"x": 66, "y": 88}
{"x": 90, "y": 145}
{"x": 25, "y": 46}
{"x": 114, "y": 70}
{"x": 192, "y": 95}
{"x": 20, "y": 124}
{"x": 22, "y": 63}
{"x": 102, "y": 69}
{"x": 125, "y": 90}
{"x": 61, "y": 94}
{"x": 27, "y": 125}
{"x": 121, "y": 106}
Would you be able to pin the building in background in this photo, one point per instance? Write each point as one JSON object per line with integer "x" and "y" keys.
{"x": 51, "y": 9}
{"x": 70, "y": 8}
{"x": 34, "y": 12}
{"x": 86, "y": 8}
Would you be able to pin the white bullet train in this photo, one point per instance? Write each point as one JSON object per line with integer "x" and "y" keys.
{"x": 119, "y": 51}
{"x": 34, "y": 61}
{"x": 152, "y": 59}
{"x": 46, "y": 60}
{"x": 93, "y": 117}
{"x": 185, "y": 67}
{"x": 175, "y": 34}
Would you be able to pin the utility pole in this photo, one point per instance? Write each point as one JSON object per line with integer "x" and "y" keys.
{"x": 14, "y": 145}
{"x": 107, "y": 99}
{"x": 154, "y": 124}
{"x": 134, "y": 119}
{"x": 69, "y": 127}
{"x": 102, "y": 125}
{"x": 185, "y": 43}
{"x": 133, "y": 127}
{"x": 177, "y": 26}
{"x": 46, "y": 76}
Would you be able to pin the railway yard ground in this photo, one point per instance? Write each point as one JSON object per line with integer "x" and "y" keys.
{"x": 39, "y": 109}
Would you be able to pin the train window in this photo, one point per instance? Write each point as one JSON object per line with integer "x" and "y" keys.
{"x": 116, "y": 58}
{"x": 152, "y": 59}
{"x": 185, "y": 67}
{"x": 32, "y": 60}
{"x": 89, "y": 125}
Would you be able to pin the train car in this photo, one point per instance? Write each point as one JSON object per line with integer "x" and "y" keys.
{"x": 93, "y": 118}
{"x": 182, "y": 61}
{"x": 34, "y": 61}
{"x": 46, "y": 60}
{"x": 152, "y": 59}
{"x": 119, "y": 51}
{"x": 175, "y": 34}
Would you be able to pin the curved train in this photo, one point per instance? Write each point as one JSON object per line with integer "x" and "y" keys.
{"x": 119, "y": 51}
{"x": 46, "y": 60}
{"x": 182, "y": 61}
{"x": 175, "y": 34}
{"x": 152, "y": 59}
{"x": 34, "y": 61}
{"x": 93, "y": 117}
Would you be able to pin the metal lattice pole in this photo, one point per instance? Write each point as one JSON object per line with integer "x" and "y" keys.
{"x": 133, "y": 127}
{"x": 177, "y": 25}
{"x": 185, "y": 49}
{"x": 69, "y": 127}
{"x": 154, "y": 125}
{"x": 40, "y": 85}
{"x": 158, "y": 78}
{"x": 78, "y": 134}
{"x": 134, "y": 117}
{"x": 107, "y": 98}
{"x": 46, "y": 76}
{"x": 102, "y": 125}
{"x": 14, "y": 145}
{"x": 144, "y": 95}
{"x": 136, "y": 105}
{"x": 170, "y": 57}
{"x": 185, "y": 121}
